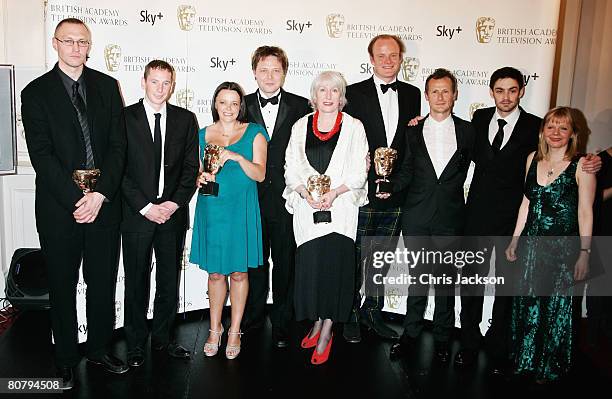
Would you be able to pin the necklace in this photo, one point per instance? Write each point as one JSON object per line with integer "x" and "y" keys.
{"x": 326, "y": 136}
{"x": 226, "y": 134}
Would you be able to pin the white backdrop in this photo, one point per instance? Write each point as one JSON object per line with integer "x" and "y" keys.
{"x": 209, "y": 42}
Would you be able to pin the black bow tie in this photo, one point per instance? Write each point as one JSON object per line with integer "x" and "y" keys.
{"x": 265, "y": 101}
{"x": 385, "y": 87}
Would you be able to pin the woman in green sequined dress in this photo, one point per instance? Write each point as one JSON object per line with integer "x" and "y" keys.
{"x": 558, "y": 202}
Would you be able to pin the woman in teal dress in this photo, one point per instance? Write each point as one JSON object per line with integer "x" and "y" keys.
{"x": 226, "y": 236}
{"x": 558, "y": 202}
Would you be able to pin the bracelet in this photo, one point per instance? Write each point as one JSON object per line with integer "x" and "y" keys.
{"x": 587, "y": 250}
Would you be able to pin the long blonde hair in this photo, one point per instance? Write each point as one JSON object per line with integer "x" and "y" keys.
{"x": 563, "y": 114}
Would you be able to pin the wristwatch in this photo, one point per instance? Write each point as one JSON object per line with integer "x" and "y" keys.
{"x": 587, "y": 250}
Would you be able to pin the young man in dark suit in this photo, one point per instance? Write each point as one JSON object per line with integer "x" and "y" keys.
{"x": 384, "y": 105}
{"x": 71, "y": 117}
{"x": 159, "y": 181}
{"x": 505, "y": 135}
{"x": 277, "y": 110}
{"x": 438, "y": 155}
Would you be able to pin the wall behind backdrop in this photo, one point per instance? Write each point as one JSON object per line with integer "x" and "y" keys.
{"x": 210, "y": 42}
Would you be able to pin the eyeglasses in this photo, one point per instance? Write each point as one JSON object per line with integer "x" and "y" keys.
{"x": 70, "y": 42}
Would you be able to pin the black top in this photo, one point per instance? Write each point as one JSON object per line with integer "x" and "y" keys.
{"x": 319, "y": 152}
{"x": 68, "y": 82}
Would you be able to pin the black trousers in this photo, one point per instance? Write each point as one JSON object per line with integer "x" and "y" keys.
{"x": 137, "y": 263}
{"x": 444, "y": 299}
{"x": 98, "y": 249}
{"x": 278, "y": 240}
{"x": 472, "y": 300}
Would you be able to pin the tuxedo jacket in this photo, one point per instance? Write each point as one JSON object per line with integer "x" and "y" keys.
{"x": 139, "y": 187}
{"x": 291, "y": 108}
{"x": 363, "y": 104}
{"x": 496, "y": 190}
{"x": 56, "y": 147}
{"x": 431, "y": 201}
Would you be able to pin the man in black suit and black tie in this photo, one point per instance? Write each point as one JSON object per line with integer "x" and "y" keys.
{"x": 159, "y": 180}
{"x": 277, "y": 110}
{"x": 71, "y": 117}
{"x": 438, "y": 155}
{"x": 505, "y": 135}
{"x": 384, "y": 105}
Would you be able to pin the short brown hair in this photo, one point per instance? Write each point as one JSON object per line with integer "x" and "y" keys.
{"x": 441, "y": 73}
{"x": 556, "y": 114}
{"x": 267, "y": 51}
{"x": 158, "y": 64}
{"x": 75, "y": 21}
{"x": 399, "y": 42}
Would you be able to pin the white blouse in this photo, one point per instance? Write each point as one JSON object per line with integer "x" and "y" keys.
{"x": 347, "y": 166}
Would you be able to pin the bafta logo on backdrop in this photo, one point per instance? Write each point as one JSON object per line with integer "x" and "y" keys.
{"x": 184, "y": 98}
{"x": 112, "y": 57}
{"x": 186, "y": 16}
{"x": 393, "y": 298}
{"x": 474, "y": 107}
{"x": 410, "y": 69}
{"x": 484, "y": 29}
{"x": 335, "y": 25}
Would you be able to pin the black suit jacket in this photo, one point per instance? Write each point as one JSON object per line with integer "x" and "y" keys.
{"x": 56, "y": 147}
{"x": 139, "y": 187}
{"x": 496, "y": 190}
{"x": 363, "y": 105}
{"x": 291, "y": 108}
{"x": 432, "y": 202}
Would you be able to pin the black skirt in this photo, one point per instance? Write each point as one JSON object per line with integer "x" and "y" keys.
{"x": 325, "y": 278}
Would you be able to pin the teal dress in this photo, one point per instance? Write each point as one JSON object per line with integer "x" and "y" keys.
{"x": 542, "y": 325}
{"x": 227, "y": 234}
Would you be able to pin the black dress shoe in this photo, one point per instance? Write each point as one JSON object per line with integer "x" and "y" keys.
{"x": 372, "y": 319}
{"x": 441, "y": 352}
{"x": 135, "y": 358}
{"x": 67, "y": 376}
{"x": 110, "y": 363}
{"x": 177, "y": 351}
{"x": 402, "y": 347}
{"x": 281, "y": 342}
{"x": 352, "y": 332}
{"x": 466, "y": 358}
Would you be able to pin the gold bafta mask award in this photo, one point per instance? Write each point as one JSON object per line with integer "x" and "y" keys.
{"x": 317, "y": 186}
{"x": 86, "y": 179}
{"x": 384, "y": 160}
{"x": 212, "y": 165}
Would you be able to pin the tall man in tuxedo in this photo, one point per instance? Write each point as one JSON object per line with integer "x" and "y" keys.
{"x": 277, "y": 110}
{"x": 71, "y": 117}
{"x": 438, "y": 155}
{"x": 159, "y": 180}
{"x": 505, "y": 135}
{"x": 384, "y": 105}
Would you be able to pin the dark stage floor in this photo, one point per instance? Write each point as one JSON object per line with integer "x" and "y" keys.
{"x": 354, "y": 371}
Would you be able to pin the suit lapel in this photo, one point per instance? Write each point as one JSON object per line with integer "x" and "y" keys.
{"x": 517, "y": 133}
{"x": 371, "y": 96}
{"x": 255, "y": 111}
{"x": 423, "y": 145}
{"x": 143, "y": 129}
{"x": 170, "y": 121}
{"x": 94, "y": 101}
{"x": 460, "y": 138}
{"x": 283, "y": 112}
{"x": 64, "y": 101}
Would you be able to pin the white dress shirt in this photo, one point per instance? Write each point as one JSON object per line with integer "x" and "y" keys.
{"x": 511, "y": 120}
{"x": 162, "y": 124}
{"x": 441, "y": 141}
{"x": 270, "y": 111}
{"x": 389, "y": 108}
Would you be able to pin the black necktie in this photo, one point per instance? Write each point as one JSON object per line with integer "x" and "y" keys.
{"x": 157, "y": 148}
{"x": 81, "y": 111}
{"x": 265, "y": 101}
{"x": 499, "y": 137}
{"x": 384, "y": 87}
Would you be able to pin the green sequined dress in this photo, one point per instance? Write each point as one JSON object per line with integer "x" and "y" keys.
{"x": 542, "y": 325}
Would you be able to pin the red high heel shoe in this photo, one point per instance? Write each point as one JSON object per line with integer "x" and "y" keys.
{"x": 310, "y": 342}
{"x": 322, "y": 358}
